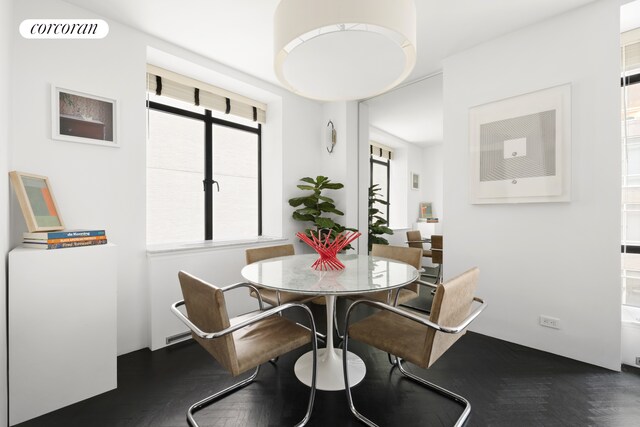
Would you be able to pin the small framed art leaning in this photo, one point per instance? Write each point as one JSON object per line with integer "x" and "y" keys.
{"x": 36, "y": 201}
{"x": 520, "y": 148}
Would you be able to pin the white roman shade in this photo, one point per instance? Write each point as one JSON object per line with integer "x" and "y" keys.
{"x": 632, "y": 57}
{"x": 167, "y": 83}
{"x": 380, "y": 150}
{"x": 631, "y": 50}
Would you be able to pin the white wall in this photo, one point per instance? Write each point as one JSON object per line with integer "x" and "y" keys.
{"x": 341, "y": 165}
{"x": 5, "y": 120}
{"x": 94, "y": 186}
{"x": 432, "y": 173}
{"x": 105, "y": 187}
{"x": 560, "y": 259}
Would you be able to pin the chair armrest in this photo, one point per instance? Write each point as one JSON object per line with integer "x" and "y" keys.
{"x": 416, "y": 241}
{"x": 246, "y": 285}
{"x": 419, "y": 282}
{"x": 263, "y": 314}
{"x": 426, "y": 322}
{"x": 427, "y": 284}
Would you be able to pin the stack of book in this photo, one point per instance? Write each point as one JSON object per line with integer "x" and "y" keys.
{"x": 64, "y": 239}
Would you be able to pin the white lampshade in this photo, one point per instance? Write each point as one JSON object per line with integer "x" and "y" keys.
{"x": 334, "y": 50}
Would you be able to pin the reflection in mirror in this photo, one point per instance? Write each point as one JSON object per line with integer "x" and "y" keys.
{"x": 405, "y": 140}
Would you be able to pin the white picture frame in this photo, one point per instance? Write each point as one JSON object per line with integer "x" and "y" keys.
{"x": 82, "y": 117}
{"x": 520, "y": 148}
{"x": 415, "y": 181}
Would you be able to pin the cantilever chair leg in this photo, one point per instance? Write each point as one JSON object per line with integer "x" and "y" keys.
{"x": 209, "y": 400}
{"x": 440, "y": 390}
{"x": 443, "y": 391}
{"x": 347, "y": 387}
{"x": 192, "y": 283}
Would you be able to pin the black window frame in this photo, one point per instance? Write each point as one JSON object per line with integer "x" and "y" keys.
{"x": 624, "y": 82}
{"x": 386, "y": 164}
{"x": 208, "y": 121}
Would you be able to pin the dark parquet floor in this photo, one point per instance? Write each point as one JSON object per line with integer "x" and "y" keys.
{"x": 507, "y": 384}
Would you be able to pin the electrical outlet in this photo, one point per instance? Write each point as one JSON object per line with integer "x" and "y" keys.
{"x": 638, "y": 361}
{"x": 550, "y": 322}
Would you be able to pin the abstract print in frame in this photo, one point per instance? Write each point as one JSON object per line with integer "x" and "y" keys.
{"x": 520, "y": 148}
{"x": 36, "y": 201}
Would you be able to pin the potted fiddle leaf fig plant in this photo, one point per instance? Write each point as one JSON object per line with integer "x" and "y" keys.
{"x": 316, "y": 208}
{"x": 377, "y": 224}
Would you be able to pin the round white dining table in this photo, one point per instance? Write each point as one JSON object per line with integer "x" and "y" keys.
{"x": 362, "y": 274}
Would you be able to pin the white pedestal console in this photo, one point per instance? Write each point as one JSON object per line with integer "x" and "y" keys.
{"x": 62, "y": 327}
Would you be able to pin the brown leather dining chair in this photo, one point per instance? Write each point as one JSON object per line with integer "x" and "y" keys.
{"x": 411, "y": 256}
{"x": 242, "y": 343}
{"x": 269, "y": 295}
{"x": 415, "y": 338}
{"x": 435, "y": 253}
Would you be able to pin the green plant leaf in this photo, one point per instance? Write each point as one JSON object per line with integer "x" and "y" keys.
{"x": 379, "y": 240}
{"x": 329, "y": 208}
{"x": 381, "y": 201}
{"x": 326, "y": 199}
{"x": 308, "y": 211}
{"x": 299, "y": 217}
{"x": 333, "y": 185}
{"x": 325, "y": 223}
{"x": 297, "y": 201}
{"x": 326, "y": 206}
{"x": 309, "y": 180}
{"x": 306, "y": 187}
{"x": 320, "y": 179}
{"x": 377, "y": 224}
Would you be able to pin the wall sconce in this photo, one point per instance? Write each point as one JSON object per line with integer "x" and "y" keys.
{"x": 330, "y": 137}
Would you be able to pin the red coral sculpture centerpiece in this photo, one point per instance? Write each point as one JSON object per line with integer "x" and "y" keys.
{"x": 328, "y": 249}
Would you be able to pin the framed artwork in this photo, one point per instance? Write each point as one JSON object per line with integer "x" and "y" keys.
{"x": 80, "y": 117}
{"x": 415, "y": 181}
{"x": 520, "y": 148}
{"x": 426, "y": 210}
{"x": 36, "y": 201}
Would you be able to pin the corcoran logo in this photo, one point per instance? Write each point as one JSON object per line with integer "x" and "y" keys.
{"x": 64, "y": 29}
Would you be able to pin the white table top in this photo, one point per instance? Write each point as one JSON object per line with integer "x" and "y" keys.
{"x": 362, "y": 274}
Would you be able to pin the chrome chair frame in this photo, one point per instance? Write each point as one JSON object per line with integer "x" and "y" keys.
{"x": 398, "y": 361}
{"x": 261, "y": 314}
{"x": 438, "y": 276}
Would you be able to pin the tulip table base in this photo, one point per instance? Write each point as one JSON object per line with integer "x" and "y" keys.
{"x": 330, "y": 376}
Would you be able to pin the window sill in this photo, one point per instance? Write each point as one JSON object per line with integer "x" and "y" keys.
{"x": 208, "y": 245}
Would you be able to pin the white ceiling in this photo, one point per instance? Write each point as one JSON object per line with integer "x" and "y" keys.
{"x": 630, "y": 16}
{"x": 238, "y": 33}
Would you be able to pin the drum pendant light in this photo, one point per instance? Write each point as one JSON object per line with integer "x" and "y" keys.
{"x": 333, "y": 50}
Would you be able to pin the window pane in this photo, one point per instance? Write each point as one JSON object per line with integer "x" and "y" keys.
{"x": 631, "y": 279}
{"x": 235, "y": 167}
{"x": 379, "y": 176}
{"x": 175, "y": 170}
{"x": 631, "y": 199}
{"x": 233, "y": 118}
